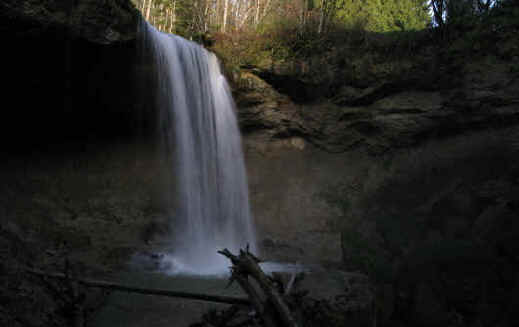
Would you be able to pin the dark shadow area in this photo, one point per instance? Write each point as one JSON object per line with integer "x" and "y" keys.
{"x": 59, "y": 90}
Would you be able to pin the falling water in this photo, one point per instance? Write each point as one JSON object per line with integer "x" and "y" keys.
{"x": 198, "y": 123}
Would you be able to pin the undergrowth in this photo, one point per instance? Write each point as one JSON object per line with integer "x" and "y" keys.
{"x": 286, "y": 41}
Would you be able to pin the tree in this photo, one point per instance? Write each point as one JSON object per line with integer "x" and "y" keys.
{"x": 327, "y": 10}
{"x": 439, "y": 8}
{"x": 384, "y": 16}
{"x": 459, "y": 11}
{"x": 193, "y": 18}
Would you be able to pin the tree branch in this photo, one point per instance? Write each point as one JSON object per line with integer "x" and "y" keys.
{"x": 148, "y": 291}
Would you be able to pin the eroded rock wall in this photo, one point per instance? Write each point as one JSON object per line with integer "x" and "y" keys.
{"x": 419, "y": 182}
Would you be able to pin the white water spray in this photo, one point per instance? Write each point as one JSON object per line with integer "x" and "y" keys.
{"x": 197, "y": 119}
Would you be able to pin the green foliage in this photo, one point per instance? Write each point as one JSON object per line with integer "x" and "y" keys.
{"x": 492, "y": 33}
{"x": 362, "y": 39}
{"x": 384, "y": 16}
{"x": 237, "y": 50}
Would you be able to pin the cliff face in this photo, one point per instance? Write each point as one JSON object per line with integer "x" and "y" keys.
{"x": 359, "y": 127}
{"x": 69, "y": 69}
{"x": 411, "y": 177}
{"x": 103, "y": 22}
{"x": 384, "y": 115}
{"x": 71, "y": 139}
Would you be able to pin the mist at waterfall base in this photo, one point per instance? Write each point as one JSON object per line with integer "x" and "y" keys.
{"x": 199, "y": 130}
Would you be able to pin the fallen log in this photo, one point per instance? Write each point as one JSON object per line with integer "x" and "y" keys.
{"x": 246, "y": 264}
{"x": 147, "y": 291}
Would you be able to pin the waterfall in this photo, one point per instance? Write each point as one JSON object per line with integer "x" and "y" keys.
{"x": 198, "y": 124}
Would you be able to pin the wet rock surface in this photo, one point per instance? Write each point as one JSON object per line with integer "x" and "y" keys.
{"x": 383, "y": 117}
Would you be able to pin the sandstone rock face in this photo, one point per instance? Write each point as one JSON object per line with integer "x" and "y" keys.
{"x": 384, "y": 116}
{"x": 296, "y": 151}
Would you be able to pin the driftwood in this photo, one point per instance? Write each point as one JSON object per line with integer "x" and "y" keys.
{"x": 273, "y": 301}
{"x": 269, "y": 296}
{"x": 129, "y": 289}
{"x": 290, "y": 284}
{"x": 272, "y": 306}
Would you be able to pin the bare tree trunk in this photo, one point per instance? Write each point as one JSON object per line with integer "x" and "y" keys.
{"x": 171, "y": 13}
{"x": 236, "y": 13}
{"x": 438, "y": 7}
{"x": 170, "y": 21}
{"x": 206, "y": 17}
{"x": 302, "y": 21}
{"x": 246, "y": 14}
{"x": 216, "y": 12}
{"x": 225, "y": 9}
{"x": 166, "y": 21}
{"x": 149, "y": 291}
{"x": 148, "y": 11}
{"x": 266, "y": 9}
{"x": 321, "y": 17}
{"x": 172, "y": 27}
{"x": 256, "y": 19}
